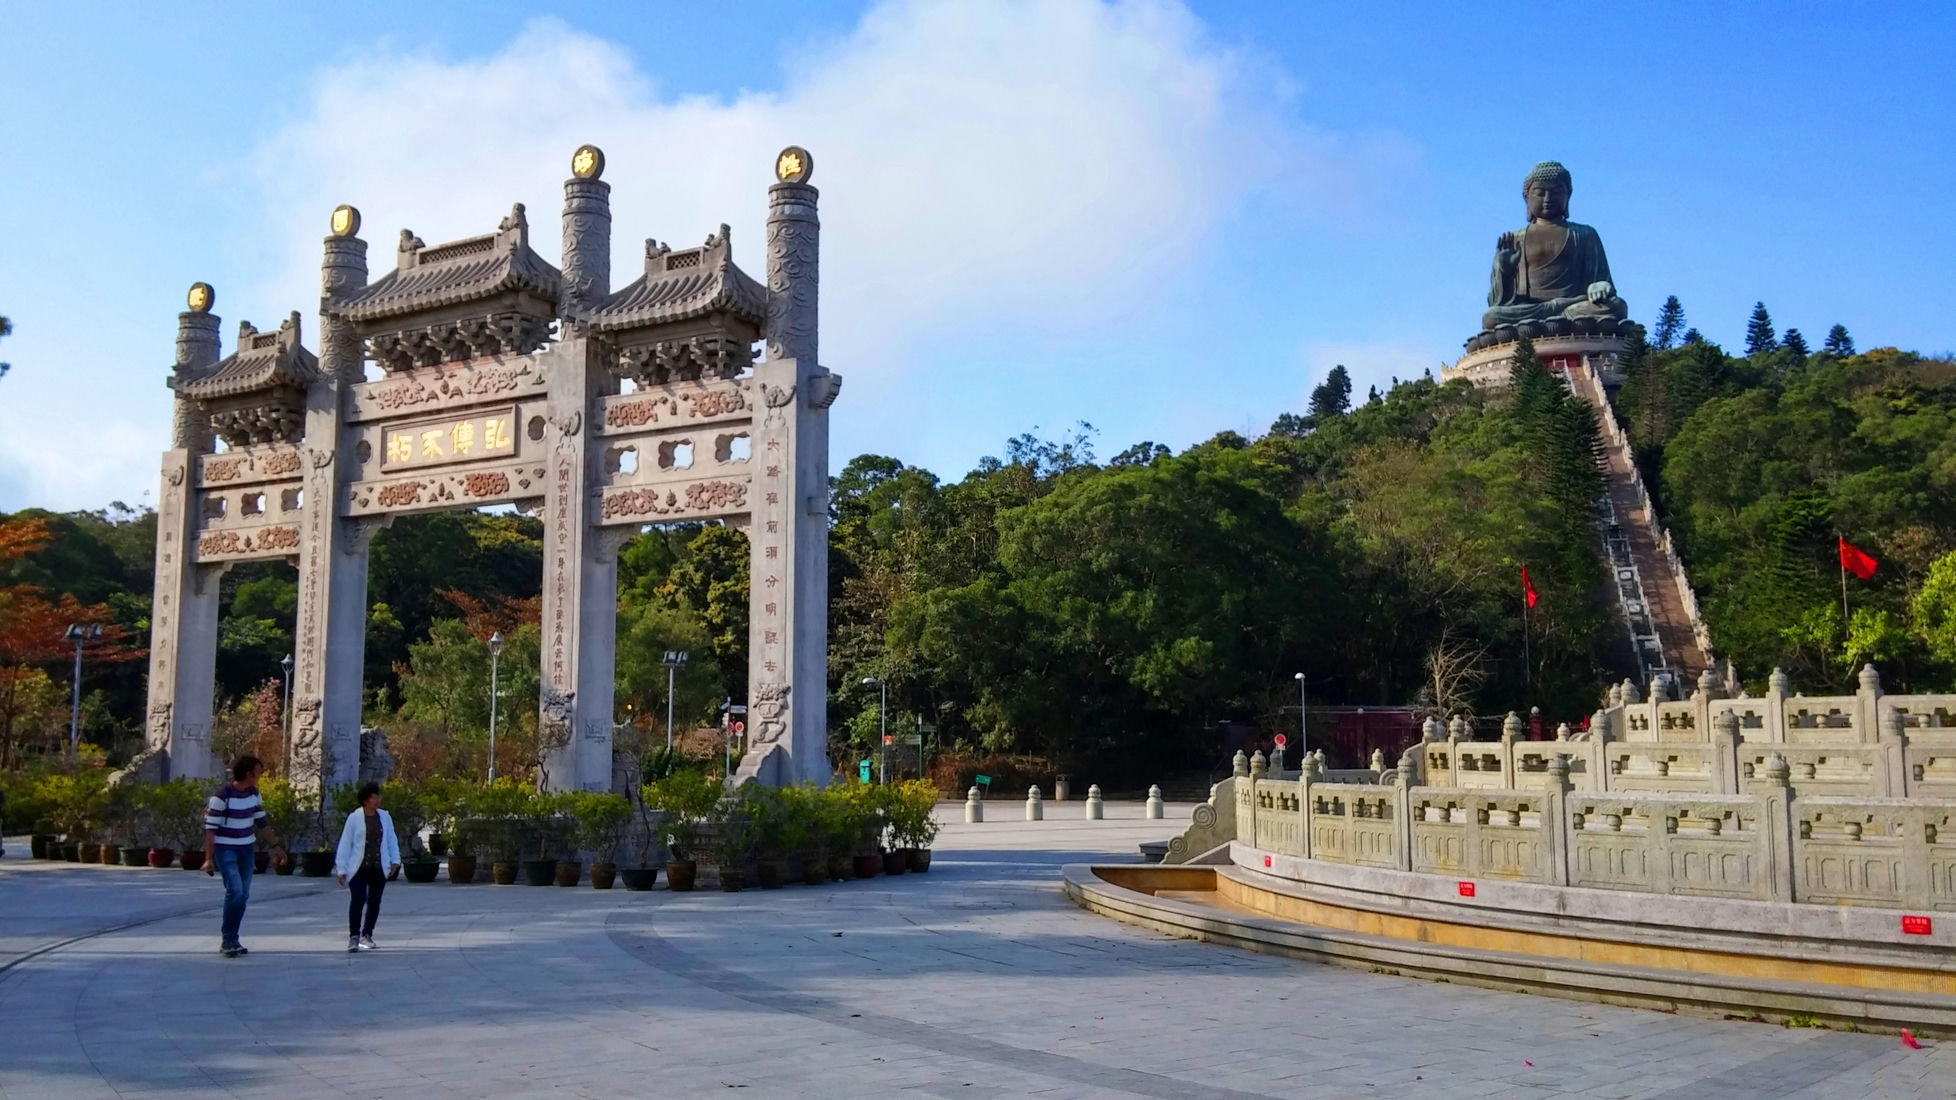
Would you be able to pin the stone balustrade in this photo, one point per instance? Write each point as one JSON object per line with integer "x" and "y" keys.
{"x": 1769, "y": 842}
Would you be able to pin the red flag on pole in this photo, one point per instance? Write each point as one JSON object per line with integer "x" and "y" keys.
{"x": 1856, "y": 562}
{"x": 1528, "y": 589}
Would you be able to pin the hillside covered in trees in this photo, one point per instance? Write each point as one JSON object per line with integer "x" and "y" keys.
{"x": 1086, "y": 608}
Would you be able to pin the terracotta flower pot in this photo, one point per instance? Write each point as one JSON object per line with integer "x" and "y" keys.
{"x": 603, "y": 875}
{"x": 733, "y": 880}
{"x": 161, "y": 857}
{"x": 91, "y": 852}
{"x": 681, "y": 873}
{"x": 135, "y": 857}
{"x": 70, "y": 853}
{"x": 636, "y": 878}
{"x": 569, "y": 872}
{"x": 421, "y": 870}
{"x": 919, "y": 859}
{"x": 37, "y": 845}
{"x": 539, "y": 872}
{"x": 895, "y": 863}
{"x": 461, "y": 870}
{"x": 503, "y": 872}
{"x": 315, "y": 864}
{"x": 191, "y": 859}
{"x": 867, "y": 866}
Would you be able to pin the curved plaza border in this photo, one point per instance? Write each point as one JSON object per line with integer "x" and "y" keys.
{"x": 977, "y": 979}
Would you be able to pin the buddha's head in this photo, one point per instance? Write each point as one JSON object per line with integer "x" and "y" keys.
{"x": 1546, "y": 191}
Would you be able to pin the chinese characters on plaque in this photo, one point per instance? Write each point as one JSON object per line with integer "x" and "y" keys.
{"x": 483, "y": 435}
{"x": 770, "y": 517}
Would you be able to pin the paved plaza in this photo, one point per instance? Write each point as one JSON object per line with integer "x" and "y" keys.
{"x": 977, "y": 979}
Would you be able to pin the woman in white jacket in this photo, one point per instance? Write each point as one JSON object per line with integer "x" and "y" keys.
{"x": 367, "y": 845}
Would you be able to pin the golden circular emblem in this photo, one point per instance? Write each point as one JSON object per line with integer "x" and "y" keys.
{"x": 346, "y": 221}
{"x": 201, "y": 298}
{"x": 793, "y": 165}
{"x": 588, "y": 162}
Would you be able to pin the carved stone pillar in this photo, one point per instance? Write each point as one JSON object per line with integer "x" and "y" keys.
{"x": 580, "y": 597}
{"x": 331, "y": 632}
{"x": 787, "y": 671}
{"x": 587, "y": 234}
{"x": 183, "y": 620}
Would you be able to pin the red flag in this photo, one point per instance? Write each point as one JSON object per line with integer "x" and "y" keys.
{"x": 1528, "y": 589}
{"x": 1856, "y": 562}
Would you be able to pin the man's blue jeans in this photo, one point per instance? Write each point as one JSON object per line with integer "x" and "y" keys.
{"x": 234, "y": 863}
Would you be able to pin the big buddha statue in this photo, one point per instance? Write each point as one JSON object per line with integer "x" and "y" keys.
{"x": 1551, "y": 268}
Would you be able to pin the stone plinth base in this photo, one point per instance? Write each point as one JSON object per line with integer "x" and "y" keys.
{"x": 1491, "y": 364}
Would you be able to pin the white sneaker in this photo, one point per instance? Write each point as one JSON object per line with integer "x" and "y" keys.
{"x": 352, "y": 944}
{"x": 367, "y": 943}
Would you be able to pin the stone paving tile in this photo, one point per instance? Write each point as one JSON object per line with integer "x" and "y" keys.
{"x": 976, "y": 980}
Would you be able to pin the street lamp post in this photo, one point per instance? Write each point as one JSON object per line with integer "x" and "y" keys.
{"x": 495, "y": 656}
{"x": 1303, "y": 746}
{"x": 883, "y": 723}
{"x": 285, "y": 713}
{"x": 78, "y": 634}
{"x": 674, "y": 658}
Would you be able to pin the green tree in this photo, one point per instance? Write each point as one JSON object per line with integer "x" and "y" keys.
{"x": 1759, "y": 338}
{"x": 1333, "y": 396}
{"x": 1839, "y": 344}
{"x": 1795, "y": 343}
{"x": 1670, "y": 324}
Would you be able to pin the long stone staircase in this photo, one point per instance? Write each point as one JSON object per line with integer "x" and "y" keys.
{"x": 1654, "y": 596}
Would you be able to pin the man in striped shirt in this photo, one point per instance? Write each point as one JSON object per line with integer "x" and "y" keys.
{"x": 231, "y": 816}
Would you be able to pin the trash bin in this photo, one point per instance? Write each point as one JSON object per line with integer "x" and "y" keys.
{"x": 1061, "y": 789}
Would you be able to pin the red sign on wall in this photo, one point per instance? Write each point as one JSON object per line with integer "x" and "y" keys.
{"x": 1266, "y": 861}
{"x": 1916, "y": 926}
{"x": 1466, "y": 889}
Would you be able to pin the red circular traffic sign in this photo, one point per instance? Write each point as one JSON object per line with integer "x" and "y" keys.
{"x": 1281, "y": 742}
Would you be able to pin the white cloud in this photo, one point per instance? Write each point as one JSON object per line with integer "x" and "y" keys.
{"x": 1035, "y": 167}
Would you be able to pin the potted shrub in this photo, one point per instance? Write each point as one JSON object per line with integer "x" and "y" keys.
{"x": 541, "y": 840}
{"x": 779, "y": 829}
{"x": 866, "y": 853}
{"x": 601, "y": 820}
{"x": 77, "y": 802}
{"x": 913, "y": 823}
{"x": 501, "y": 811}
{"x": 730, "y": 840}
{"x": 439, "y": 800}
{"x": 284, "y": 815}
{"x": 176, "y": 811}
{"x": 44, "y": 842}
{"x": 805, "y": 805}
{"x": 842, "y": 821}
{"x": 687, "y": 797}
{"x": 642, "y": 831}
{"x": 404, "y": 804}
{"x": 464, "y": 840}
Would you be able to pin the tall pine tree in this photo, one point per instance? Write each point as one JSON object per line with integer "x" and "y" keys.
{"x": 1839, "y": 343}
{"x": 1670, "y": 324}
{"x": 1794, "y": 342}
{"x": 1333, "y": 396}
{"x": 1759, "y": 338}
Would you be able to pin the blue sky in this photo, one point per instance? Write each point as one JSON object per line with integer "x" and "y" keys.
{"x": 1165, "y": 220}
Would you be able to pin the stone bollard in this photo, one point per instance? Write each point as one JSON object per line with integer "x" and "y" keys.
{"x": 1154, "y": 803}
{"x": 1035, "y": 809}
{"x": 974, "y": 807}
{"x": 1094, "y": 808}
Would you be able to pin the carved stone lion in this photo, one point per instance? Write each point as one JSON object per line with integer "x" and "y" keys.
{"x": 557, "y": 710}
